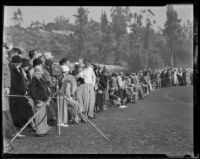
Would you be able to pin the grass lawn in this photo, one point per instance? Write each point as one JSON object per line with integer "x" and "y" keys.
{"x": 155, "y": 125}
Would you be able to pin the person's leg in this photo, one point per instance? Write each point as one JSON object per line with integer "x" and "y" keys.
{"x": 60, "y": 107}
{"x": 91, "y": 101}
{"x": 120, "y": 91}
{"x": 8, "y": 116}
{"x": 85, "y": 97}
{"x": 52, "y": 111}
{"x": 98, "y": 103}
{"x": 141, "y": 93}
{"x": 104, "y": 101}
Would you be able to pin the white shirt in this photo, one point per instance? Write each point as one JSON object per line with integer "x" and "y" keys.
{"x": 120, "y": 82}
{"x": 88, "y": 75}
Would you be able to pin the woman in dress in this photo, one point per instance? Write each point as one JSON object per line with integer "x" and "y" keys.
{"x": 40, "y": 94}
{"x": 21, "y": 110}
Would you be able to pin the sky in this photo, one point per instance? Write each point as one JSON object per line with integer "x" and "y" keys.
{"x": 48, "y": 14}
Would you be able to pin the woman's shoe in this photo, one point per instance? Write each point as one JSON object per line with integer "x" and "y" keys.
{"x": 41, "y": 135}
{"x": 63, "y": 125}
{"x": 91, "y": 117}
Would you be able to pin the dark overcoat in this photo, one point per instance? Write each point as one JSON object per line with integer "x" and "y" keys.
{"x": 20, "y": 109}
{"x": 39, "y": 90}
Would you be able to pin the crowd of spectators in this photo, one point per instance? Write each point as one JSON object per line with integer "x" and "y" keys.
{"x": 89, "y": 88}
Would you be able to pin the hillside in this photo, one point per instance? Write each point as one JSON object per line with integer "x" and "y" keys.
{"x": 40, "y": 39}
{"x": 55, "y": 41}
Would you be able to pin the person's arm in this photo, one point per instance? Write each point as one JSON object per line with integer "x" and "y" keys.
{"x": 93, "y": 78}
{"x": 6, "y": 79}
{"x": 33, "y": 92}
{"x": 74, "y": 86}
{"x": 68, "y": 90}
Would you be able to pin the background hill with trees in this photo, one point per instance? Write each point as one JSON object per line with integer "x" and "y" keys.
{"x": 128, "y": 39}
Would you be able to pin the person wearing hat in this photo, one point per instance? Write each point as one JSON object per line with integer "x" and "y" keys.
{"x": 14, "y": 51}
{"x": 20, "y": 109}
{"x": 77, "y": 69}
{"x": 49, "y": 82}
{"x": 103, "y": 87}
{"x": 39, "y": 93}
{"x": 68, "y": 89}
{"x": 48, "y": 64}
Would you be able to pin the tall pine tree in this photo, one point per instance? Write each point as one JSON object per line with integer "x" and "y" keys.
{"x": 80, "y": 30}
{"x": 172, "y": 30}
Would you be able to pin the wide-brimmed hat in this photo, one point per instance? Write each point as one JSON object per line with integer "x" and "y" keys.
{"x": 16, "y": 59}
{"x": 65, "y": 68}
{"x": 78, "y": 65}
{"x": 47, "y": 55}
{"x": 25, "y": 62}
{"x": 37, "y": 61}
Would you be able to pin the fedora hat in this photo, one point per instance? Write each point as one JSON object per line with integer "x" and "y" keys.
{"x": 47, "y": 55}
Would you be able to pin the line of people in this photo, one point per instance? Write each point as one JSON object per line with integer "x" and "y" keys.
{"x": 88, "y": 88}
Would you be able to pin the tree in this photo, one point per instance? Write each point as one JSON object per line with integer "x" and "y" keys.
{"x": 146, "y": 37}
{"x": 17, "y": 17}
{"x": 120, "y": 16}
{"x": 172, "y": 30}
{"x": 80, "y": 30}
{"x": 106, "y": 43}
{"x": 61, "y": 22}
{"x": 104, "y": 23}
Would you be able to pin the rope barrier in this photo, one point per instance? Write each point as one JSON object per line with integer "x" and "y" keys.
{"x": 20, "y": 96}
{"x": 71, "y": 103}
{"x": 17, "y": 134}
